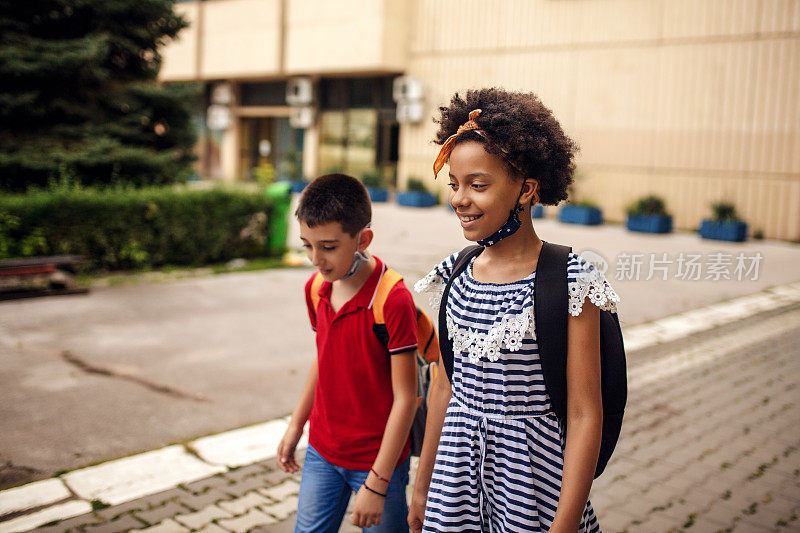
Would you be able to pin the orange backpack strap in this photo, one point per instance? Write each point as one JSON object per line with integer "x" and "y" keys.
{"x": 427, "y": 340}
{"x": 316, "y": 283}
{"x": 387, "y": 282}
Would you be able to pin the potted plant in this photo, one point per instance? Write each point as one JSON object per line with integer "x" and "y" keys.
{"x": 416, "y": 195}
{"x": 649, "y": 215}
{"x": 725, "y": 224}
{"x": 584, "y": 212}
{"x": 579, "y": 211}
{"x": 373, "y": 181}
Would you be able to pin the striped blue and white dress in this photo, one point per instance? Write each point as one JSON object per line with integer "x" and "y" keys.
{"x": 501, "y": 452}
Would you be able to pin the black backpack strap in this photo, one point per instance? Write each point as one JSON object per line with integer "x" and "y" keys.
{"x": 445, "y": 344}
{"x": 550, "y": 301}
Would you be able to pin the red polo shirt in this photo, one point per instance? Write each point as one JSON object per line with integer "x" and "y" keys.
{"x": 354, "y": 396}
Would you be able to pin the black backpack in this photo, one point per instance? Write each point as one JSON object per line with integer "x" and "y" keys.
{"x": 550, "y": 314}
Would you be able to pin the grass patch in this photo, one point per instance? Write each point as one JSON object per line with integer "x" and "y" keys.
{"x": 98, "y": 505}
{"x": 169, "y": 273}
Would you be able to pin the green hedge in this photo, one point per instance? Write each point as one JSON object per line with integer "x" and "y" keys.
{"x": 136, "y": 228}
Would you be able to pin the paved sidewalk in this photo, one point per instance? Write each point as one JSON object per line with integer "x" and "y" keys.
{"x": 710, "y": 443}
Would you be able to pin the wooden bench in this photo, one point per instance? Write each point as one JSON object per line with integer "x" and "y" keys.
{"x": 39, "y": 276}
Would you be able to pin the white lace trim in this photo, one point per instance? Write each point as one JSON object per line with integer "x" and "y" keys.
{"x": 511, "y": 329}
{"x": 591, "y": 283}
{"x": 433, "y": 284}
{"x": 509, "y": 332}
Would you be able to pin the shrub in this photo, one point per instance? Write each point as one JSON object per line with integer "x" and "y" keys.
{"x": 416, "y": 185}
{"x": 372, "y": 178}
{"x": 584, "y": 203}
{"x": 123, "y": 228}
{"x": 649, "y": 205}
{"x": 724, "y": 212}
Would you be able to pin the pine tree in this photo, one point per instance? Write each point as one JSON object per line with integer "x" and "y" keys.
{"x": 79, "y": 96}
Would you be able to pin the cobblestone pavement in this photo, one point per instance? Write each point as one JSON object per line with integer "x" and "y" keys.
{"x": 711, "y": 442}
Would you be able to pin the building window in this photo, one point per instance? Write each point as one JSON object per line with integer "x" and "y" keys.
{"x": 264, "y": 94}
{"x": 358, "y": 128}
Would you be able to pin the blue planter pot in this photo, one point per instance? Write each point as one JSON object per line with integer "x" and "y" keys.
{"x": 538, "y": 211}
{"x": 723, "y": 231}
{"x": 649, "y": 223}
{"x": 378, "y": 194}
{"x": 297, "y": 186}
{"x": 578, "y": 214}
{"x": 416, "y": 199}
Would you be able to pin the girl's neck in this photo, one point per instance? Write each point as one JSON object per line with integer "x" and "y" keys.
{"x": 523, "y": 244}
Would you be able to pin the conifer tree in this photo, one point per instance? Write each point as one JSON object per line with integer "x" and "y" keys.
{"x": 79, "y": 96}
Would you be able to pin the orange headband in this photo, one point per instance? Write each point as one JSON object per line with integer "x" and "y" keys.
{"x": 449, "y": 144}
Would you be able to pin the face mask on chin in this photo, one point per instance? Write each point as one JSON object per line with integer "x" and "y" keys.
{"x": 510, "y": 227}
{"x": 359, "y": 260}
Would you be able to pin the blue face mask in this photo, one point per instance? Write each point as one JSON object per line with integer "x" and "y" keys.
{"x": 359, "y": 260}
{"x": 510, "y": 227}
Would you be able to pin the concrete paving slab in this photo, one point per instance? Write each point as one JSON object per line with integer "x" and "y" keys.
{"x": 200, "y": 519}
{"x": 133, "y": 477}
{"x": 167, "y": 526}
{"x": 246, "y": 445}
{"x": 32, "y": 495}
{"x": 246, "y": 522}
{"x": 56, "y": 512}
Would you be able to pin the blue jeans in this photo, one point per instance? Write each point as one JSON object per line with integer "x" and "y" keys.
{"x": 325, "y": 492}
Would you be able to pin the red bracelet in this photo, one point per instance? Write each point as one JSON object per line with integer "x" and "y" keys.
{"x": 379, "y": 476}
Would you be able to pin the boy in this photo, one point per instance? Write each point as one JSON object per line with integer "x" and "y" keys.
{"x": 359, "y": 400}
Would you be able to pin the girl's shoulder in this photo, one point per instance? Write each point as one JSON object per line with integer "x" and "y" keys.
{"x": 585, "y": 280}
{"x": 434, "y": 282}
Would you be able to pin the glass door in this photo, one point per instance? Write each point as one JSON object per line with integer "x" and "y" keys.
{"x": 271, "y": 146}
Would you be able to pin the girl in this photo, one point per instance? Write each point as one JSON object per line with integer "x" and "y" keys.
{"x": 504, "y": 462}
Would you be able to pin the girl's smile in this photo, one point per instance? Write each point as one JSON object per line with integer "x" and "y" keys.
{"x": 467, "y": 221}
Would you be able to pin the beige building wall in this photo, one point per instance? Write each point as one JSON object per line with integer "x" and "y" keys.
{"x": 269, "y": 38}
{"x": 324, "y": 36}
{"x": 241, "y": 38}
{"x": 179, "y": 57}
{"x": 694, "y": 100}
{"x": 225, "y": 39}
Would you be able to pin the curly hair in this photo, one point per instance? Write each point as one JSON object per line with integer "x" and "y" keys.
{"x": 520, "y": 124}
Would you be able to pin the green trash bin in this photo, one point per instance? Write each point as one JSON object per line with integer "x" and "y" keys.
{"x": 280, "y": 194}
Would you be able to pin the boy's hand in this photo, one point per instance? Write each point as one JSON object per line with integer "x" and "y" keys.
{"x": 368, "y": 509}
{"x": 416, "y": 513}
{"x": 286, "y": 448}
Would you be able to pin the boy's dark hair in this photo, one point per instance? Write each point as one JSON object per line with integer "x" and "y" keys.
{"x": 520, "y": 124}
{"x": 335, "y": 198}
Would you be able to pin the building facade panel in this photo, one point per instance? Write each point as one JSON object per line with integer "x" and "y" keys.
{"x": 346, "y": 36}
{"x": 241, "y": 38}
{"x": 179, "y": 58}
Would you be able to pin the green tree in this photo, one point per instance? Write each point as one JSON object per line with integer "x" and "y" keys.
{"x": 79, "y": 96}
